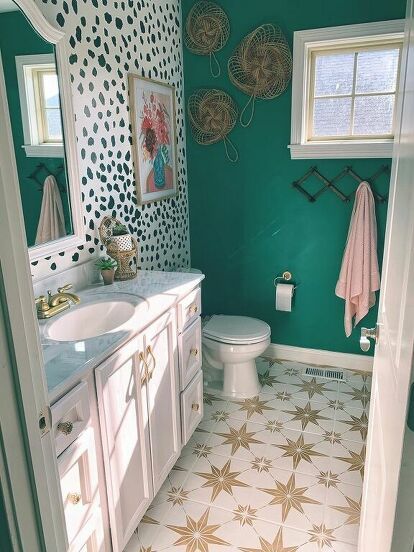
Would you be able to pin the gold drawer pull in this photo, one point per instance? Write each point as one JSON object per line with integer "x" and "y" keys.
{"x": 65, "y": 427}
{"x": 154, "y": 360}
{"x": 195, "y": 407}
{"x": 193, "y": 309}
{"x": 74, "y": 498}
{"x": 145, "y": 375}
{"x": 194, "y": 351}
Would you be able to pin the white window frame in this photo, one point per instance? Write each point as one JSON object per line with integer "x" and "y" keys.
{"x": 345, "y": 36}
{"x": 33, "y": 144}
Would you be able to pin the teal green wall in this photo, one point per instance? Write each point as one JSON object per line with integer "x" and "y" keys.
{"x": 5, "y": 542}
{"x": 13, "y": 25}
{"x": 247, "y": 224}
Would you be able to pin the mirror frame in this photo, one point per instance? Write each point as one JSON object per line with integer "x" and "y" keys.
{"x": 57, "y": 37}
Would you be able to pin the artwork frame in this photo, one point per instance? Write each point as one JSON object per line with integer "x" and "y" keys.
{"x": 154, "y": 138}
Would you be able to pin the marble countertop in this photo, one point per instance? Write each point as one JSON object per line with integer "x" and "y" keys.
{"x": 152, "y": 293}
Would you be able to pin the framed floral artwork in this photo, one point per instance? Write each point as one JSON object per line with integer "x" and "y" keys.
{"x": 154, "y": 147}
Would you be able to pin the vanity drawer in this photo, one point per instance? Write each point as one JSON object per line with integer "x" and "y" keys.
{"x": 90, "y": 537}
{"x": 190, "y": 352}
{"x": 191, "y": 407}
{"x": 79, "y": 486}
{"x": 188, "y": 309}
{"x": 70, "y": 417}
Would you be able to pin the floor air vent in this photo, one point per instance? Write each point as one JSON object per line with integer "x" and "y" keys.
{"x": 326, "y": 373}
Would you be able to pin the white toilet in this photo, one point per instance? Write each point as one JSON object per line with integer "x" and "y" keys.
{"x": 232, "y": 343}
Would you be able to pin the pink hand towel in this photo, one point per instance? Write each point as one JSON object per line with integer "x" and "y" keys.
{"x": 359, "y": 278}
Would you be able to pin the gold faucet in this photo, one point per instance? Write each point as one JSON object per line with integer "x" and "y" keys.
{"x": 54, "y": 304}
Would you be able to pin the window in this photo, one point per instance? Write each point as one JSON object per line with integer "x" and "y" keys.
{"x": 345, "y": 83}
{"x": 40, "y": 105}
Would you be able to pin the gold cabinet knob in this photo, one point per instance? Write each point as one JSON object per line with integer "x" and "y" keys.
{"x": 65, "y": 427}
{"x": 193, "y": 308}
{"x": 195, "y": 407}
{"x": 194, "y": 351}
{"x": 74, "y": 498}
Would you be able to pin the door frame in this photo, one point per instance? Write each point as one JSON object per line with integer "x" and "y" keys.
{"x": 26, "y": 376}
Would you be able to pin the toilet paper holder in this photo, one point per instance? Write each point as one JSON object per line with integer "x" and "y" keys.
{"x": 286, "y": 277}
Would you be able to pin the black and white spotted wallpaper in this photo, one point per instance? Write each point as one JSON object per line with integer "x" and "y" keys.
{"x": 107, "y": 40}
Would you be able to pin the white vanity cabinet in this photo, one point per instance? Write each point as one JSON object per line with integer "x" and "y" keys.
{"x": 139, "y": 407}
{"x": 80, "y": 495}
{"x": 125, "y": 440}
{"x": 161, "y": 391}
{"x": 138, "y": 401}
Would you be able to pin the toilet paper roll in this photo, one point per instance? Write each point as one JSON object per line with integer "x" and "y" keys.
{"x": 284, "y": 294}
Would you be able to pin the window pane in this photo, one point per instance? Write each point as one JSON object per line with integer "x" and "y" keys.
{"x": 332, "y": 117}
{"x": 374, "y": 114}
{"x": 54, "y": 124}
{"x": 50, "y": 89}
{"x": 377, "y": 71}
{"x": 334, "y": 74}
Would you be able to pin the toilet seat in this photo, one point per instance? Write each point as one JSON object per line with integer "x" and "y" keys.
{"x": 236, "y": 330}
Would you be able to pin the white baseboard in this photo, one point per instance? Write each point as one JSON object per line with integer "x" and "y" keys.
{"x": 321, "y": 357}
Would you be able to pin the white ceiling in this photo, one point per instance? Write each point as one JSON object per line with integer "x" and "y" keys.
{"x": 7, "y": 6}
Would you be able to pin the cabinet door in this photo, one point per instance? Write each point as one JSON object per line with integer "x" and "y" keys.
{"x": 161, "y": 354}
{"x": 125, "y": 441}
{"x": 80, "y": 493}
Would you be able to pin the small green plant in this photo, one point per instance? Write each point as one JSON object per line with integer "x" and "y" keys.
{"x": 106, "y": 263}
{"x": 119, "y": 230}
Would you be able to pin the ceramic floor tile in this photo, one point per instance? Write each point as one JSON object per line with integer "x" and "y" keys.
{"x": 307, "y": 415}
{"x": 343, "y": 512}
{"x": 239, "y": 439}
{"x": 292, "y": 499}
{"x": 312, "y": 388}
{"x": 348, "y": 459}
{"x": 303, "y": 452}
{"x": 223, "y": 482}
{"x": 354, "y": 396}
{"x": 279, "y": 471}
{"x": 352, "y": 425}
{"x": 259, "y": 409}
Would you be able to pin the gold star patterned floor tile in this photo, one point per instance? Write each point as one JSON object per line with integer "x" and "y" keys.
{"x": 343, "y": 512}
{"x": 278, "y": 472}
{"x": 300, "y": 451}
{"x": 308, "y": 416}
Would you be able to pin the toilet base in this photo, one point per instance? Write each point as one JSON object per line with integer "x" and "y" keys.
{"x": 241, "y": 380}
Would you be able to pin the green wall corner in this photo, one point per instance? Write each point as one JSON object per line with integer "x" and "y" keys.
{"x": 247, "y": 223}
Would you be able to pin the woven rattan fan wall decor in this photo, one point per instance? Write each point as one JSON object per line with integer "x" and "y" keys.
{"x": 261, "y": 66}
{"x": 207, "y": 30}
{"x": 213, "y": 114}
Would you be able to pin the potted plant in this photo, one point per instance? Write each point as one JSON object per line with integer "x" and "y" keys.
{"x": 107, "y": 266}
{"x": 121, "y": 237}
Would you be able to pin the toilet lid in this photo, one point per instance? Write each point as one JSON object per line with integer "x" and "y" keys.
{"x": 236, "y": 329}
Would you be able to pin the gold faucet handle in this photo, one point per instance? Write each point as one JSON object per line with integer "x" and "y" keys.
{"x": 42, "y": 304}
{"x": 64, "y": 288}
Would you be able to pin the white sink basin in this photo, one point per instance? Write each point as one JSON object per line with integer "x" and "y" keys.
{"x": 90, "y": 320}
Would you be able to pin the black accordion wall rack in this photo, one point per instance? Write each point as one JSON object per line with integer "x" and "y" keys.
{"x": 333, "y": 184}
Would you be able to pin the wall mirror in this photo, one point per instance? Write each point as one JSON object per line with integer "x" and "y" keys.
{"x": 34, "y": 78}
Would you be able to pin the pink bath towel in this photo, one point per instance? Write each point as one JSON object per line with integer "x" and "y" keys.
{"x": 359, "y": 278}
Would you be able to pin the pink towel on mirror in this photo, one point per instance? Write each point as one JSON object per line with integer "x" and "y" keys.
{"x": 359, "y": 278}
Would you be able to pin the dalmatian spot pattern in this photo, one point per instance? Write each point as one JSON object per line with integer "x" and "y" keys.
{"x": 107, "y": 39}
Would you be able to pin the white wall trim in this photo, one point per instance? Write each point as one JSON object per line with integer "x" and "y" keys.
{"x": 302, "y": 42}
{"x": 348, "y": 361}
{"x": 44, "y": 150}
{"x": 342, "y": 150}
